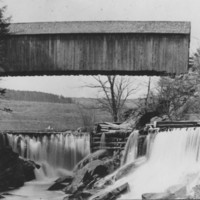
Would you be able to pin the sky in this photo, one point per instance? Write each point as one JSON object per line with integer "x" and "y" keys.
{"x": 95, "y": 10}
{"x": 70, "y": 86}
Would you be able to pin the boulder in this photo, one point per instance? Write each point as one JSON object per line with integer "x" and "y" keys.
{"x": 61, "y": 182}
{"x": 28, "y": 169}
{"x": 104, "y": 182}
{"x": 174, "y": 192}
{"x": 1, "y": 140}
{"x": 112, "y": 194}
{"x": 86, "y": 177}
{"x": 12, "y": 177}
{"x": 65, "y": 179}
{"x": 180, "y": 191}
{"x": 111, "y": 165}
{"x": 14, "y": 171}
{"x": 154, "y": 196}
{"x": 11, "y": 170}
{"x": 58, "y": 186}
{"x": 79, "y": 196}
{"x": 97, "y": 155}
{"x": 34, "y": 164}
{"x": 87, "y": 174}
{"x": 7, "y": 157}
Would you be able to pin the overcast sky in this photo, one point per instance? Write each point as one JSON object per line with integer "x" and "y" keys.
{"x": 80, "y": 10}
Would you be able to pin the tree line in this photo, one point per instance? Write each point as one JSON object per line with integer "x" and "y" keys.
{"x": 36, "y": 97}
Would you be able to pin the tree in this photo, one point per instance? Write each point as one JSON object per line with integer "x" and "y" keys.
{"x": 144, "y": 109}
{"x": 174, "y": 99}
{"x": 4, "y": 31}
{"x": 148, "y": 91}
{"x": 174, "y": 95}
{"x": 195, "y": 59}
{"x": 88, "y": 116}
{"x": 114, "y": 91}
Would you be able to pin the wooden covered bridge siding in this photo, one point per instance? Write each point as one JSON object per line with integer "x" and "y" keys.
{"x": 132, "y": 48}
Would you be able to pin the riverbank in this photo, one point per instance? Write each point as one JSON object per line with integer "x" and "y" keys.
{"x": 35, "y": 190}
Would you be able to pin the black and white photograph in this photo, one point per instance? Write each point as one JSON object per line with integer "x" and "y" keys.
{"x": 99, "y": 99}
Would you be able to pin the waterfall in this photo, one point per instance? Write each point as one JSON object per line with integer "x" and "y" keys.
{"x": 149, "y": 140}
{"x": 103, "y": 141}
{"x": 56, "y": 153}
{"x": 174, "y": 159}
{"x": 131, "y": 148}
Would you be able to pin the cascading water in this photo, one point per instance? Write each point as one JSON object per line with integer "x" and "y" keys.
{"x": 149, "y": 140}
{"x": 103, "y": 141}
{"x": 130, "y": 151}
{"x": 57, "y": 153}
{"x": 174, "y": 159}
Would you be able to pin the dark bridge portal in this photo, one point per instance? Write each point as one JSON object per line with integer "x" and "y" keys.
{"x": 131, "y": 48}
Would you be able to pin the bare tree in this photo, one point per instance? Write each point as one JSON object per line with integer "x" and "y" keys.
{"x": 148, "y": 91}
{"x": 114, "y": 92}
{"x": 88, "y": 116}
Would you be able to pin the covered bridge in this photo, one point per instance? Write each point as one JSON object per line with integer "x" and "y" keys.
{"x": 115, "y": 47}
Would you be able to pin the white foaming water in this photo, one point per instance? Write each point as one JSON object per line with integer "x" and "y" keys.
{"x": 131, "y": 148}
{"x": 149, "y": 140}
{"x": 57, "y": 154}
{"x": 35, "y": 190}
{"x": 173, "y": 159}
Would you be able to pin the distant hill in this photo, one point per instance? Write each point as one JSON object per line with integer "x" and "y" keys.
{"x": 36, "y": 96}
{"x": 38, "y": 110}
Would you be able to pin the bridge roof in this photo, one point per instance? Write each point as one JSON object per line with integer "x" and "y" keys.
{"x": 160, "y": 27}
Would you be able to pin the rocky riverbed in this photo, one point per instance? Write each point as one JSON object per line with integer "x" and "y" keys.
{"x": 14, "y": 171}
{"x": 94, "y": 177}
{"x": 88, "y": 178}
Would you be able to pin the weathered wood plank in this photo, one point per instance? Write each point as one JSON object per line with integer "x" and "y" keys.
{"x": 100, "y": 53}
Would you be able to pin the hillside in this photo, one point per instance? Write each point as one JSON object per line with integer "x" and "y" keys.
{"x": 27, "y": 115}
{"x": 36, "y": 96}
{"x": 42, "y": 113}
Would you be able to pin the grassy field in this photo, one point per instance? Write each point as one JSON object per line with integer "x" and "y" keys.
{"x": 28, "y": 115}
{"x": 38, "y": 110}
